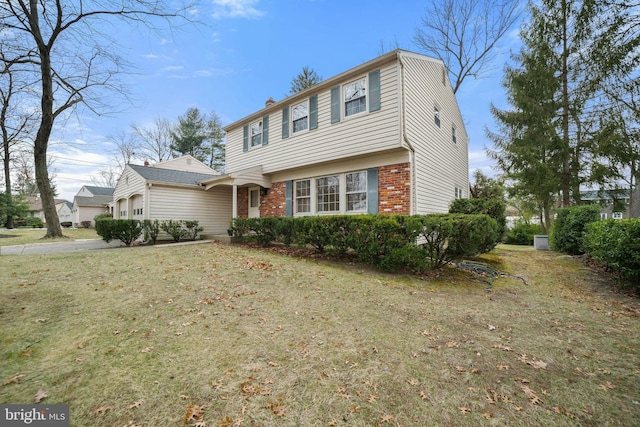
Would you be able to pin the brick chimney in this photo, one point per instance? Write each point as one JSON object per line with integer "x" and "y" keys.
{"x": 269, "y": 102}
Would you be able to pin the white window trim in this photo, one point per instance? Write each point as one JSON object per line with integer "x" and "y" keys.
{"x": 260, "y": 125}
{"x": 295, "y": 197}
{"x": 616, "y": 215}
{"x": 342, "y": 193}
{"x": 343, "y": 101}
{"x": 292, "y": 131}
{"x": 437, "y": 112}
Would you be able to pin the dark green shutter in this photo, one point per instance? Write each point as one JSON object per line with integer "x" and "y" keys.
{"x": 335, "y": 104}
{"x": 245, "y": 138}
{"x": 285, "y": 123}
{"x": 313, "y": 112}
{"x": 372, "y": 190}
{"x": 374, "y": 90}
{"x": 265, "y": 130}
{"x": 288, "y": 199}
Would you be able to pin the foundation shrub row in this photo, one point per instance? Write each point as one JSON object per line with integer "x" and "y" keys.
{"x": 389, "y": 242}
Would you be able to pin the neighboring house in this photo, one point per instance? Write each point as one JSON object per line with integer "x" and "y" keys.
{"x": 173, "y": 190}
{"x": 89, "y": 202}
{"x": 384, "y": 137}
{"x": 613, "y": 203}
{"x": 63, "y": 208}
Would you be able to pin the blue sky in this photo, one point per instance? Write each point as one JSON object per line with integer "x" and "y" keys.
{"x": 245, "y": 52}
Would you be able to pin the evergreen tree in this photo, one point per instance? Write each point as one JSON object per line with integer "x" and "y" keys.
{"x": 528, "y": 147}
{"x": 190, "y": 134}
{"x": 215, "y": 143}
{"x": 304, "y": 80}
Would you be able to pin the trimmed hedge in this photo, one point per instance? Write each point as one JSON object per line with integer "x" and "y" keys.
{"x": 567, "y": 231}
{"x": 617, "y": 244}
{"x": 125, "y": 230}
{"x": 390, "y": 242}
{"x": 129, "y": 230}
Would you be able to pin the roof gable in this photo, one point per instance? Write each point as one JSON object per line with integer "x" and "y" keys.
{"x": 99, "y": 191}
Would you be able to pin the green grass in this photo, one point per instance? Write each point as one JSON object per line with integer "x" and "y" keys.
{"x": 230, "y": 335}
{"x": 22, "y": 236}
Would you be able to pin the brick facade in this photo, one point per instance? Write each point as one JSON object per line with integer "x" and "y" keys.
{"x": 394, "y": 189}
{"x": 394, "y": 194}
{"x": 243, "y": 202}
{"x": 273, "y": 203}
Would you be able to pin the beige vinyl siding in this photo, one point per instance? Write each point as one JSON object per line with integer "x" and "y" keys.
{"x": 88, "y": 213}
{"x": 125, "y": 190}
{"x": 211, "y": 208}
{"x": 440, "y": 165}
{"x": 356, "y": 135}
{"x": 354, "y": 164}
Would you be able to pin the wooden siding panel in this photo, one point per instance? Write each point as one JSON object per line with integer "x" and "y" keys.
{"x": 441, "y": 165}
{"x": 130, "y": 183}
{"x": 211, "y": 208}
{"x": 353, "y": 136}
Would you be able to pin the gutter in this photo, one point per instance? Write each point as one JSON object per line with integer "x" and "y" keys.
{"x": 405, "y": 139}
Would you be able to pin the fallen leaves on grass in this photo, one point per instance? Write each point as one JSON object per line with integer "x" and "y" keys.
{"x": 13, "y": 380}
{"x": 103, "y": 410}
{"x": 537, "y": 364}
{"x": 195, "y": 413}
{"x": 40, "y": 395}
{"x": 136, "y": 404}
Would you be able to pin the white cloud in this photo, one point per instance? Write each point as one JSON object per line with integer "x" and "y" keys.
{"x": 236, "y": 9}
{"x": 173, "y": 68}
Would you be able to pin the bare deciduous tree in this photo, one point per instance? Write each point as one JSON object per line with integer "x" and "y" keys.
{"x": 155, "y": 140}
{"x": 465, "y": 33}
{"x": 72, "y": 55}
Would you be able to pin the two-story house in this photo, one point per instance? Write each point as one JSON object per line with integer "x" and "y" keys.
{"x": 384, "y": 137}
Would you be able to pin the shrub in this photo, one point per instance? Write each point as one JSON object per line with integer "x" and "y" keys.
{"x": 102, "y": 216}
{"x": 85, "y": 224}
{"x": 65, "y": 224}
{"x": 151, "y": 230}
{"x": 174, "y": 228}
{"x": 125, "y": 230}
{"x": 33, "y": 222}
{"x": 567, "y": 231}
{"x": 522, "y": 233}
{"x": 192, "y": 229}
{"x": 617, "y": 244}
{"x": 492, "y": 207}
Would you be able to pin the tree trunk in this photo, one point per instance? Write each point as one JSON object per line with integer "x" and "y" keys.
{"x": 7, "y": 180}
{"x": 42, "y": 138}
{"x": 634, "y": 197}
{"x": 566, "y": 172}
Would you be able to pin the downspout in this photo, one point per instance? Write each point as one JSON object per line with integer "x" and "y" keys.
{"x": 407, "y": 143}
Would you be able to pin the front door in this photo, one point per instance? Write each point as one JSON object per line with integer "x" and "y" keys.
{"x": 254, "y": 202}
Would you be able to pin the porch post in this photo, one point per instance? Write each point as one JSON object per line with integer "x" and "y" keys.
{"x": 234, "y": 202}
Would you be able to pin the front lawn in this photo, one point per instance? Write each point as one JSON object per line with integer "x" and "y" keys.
{"x": 22, "y": 236}
{"x": 229, "y": 335}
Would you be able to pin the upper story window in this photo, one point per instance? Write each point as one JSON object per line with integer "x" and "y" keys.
{"x": 256, "y": 133}
{"x": 616, "y": 215}
{"x": 355, "y": 97}
{"x": 300, "y": 116}
{"x": 436, "y": 115}
{"x": 453, "y": 134}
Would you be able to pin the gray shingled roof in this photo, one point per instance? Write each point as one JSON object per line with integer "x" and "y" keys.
{"x": 100, "y": 191}
{"x": 171, "y": 176}
{"x": 94, "y": 201}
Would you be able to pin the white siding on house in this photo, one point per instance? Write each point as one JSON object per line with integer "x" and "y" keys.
{"x": 84, "y": 192}
{"x": 357, "y": 135}
{"x": 64, "y": 213}
{"x": 87, "y": 213}
{"x": 211, "y": 208}
{"x": 129, "y": 184}
{"x": 441, "y": 164}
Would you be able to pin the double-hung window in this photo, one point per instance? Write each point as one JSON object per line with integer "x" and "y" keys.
{"x": 303, "y": 196}
{"x": 355, "y": 97}
{"x": 328, "y": 194}
{"x": 436, "y": 115}
{"x": 356, "y": 191}
{"x": 453, "y": 134}
{"x": 300, "y": 113}
{"x": 256, "y": 134}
